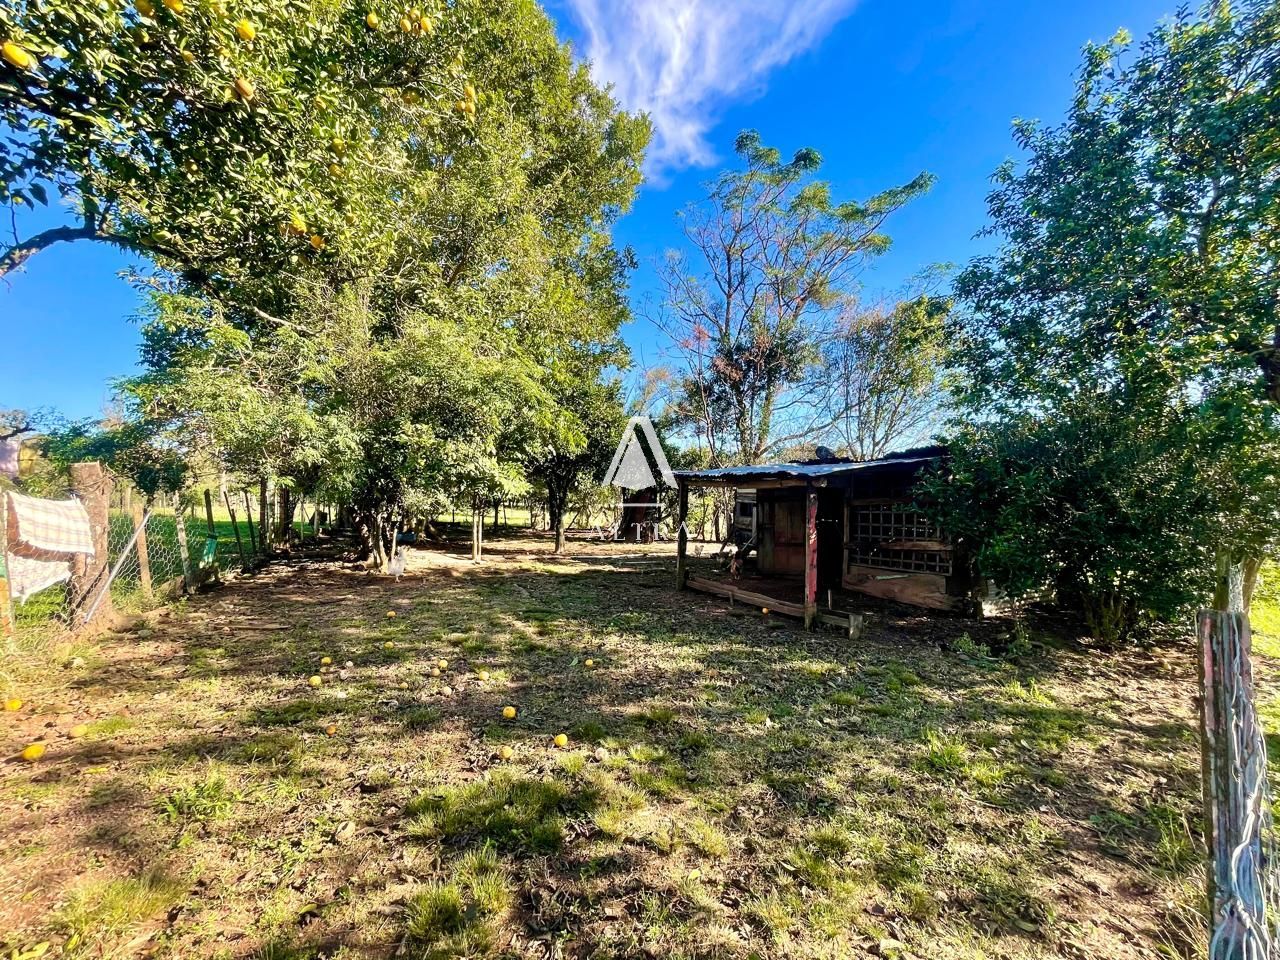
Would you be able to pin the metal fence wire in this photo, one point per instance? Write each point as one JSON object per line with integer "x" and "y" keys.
{"x": 1245, "y": 920}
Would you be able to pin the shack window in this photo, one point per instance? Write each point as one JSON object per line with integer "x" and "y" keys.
{"x": 893, "y": 536}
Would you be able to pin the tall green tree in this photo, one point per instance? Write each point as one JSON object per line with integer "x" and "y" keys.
{"x": 772, "y": 255}
{"x": 1136, "y": 276}
{"x": 485, "y": 268}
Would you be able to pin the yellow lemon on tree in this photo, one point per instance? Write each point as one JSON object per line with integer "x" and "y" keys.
{"x": 406, "y": 25}
{"x": 13, "y": 704}
{"x": 339, "y": 145}
{"x": 188, "y": 57}
{"x": 144, "y": 7}
{"x": 561, "y": 740}
{"x": 245, "y": 30}
{"x": 415, "y": 14}
{"x": 506, "y": 753}
{"x": 244, "y": 88}
{"x": 78, "y": 731}
{"x": 315, "y": 680}
{"x": 372, "y": 21}
{"x": 335, "y": 170}
{"x": 509, "y": 712}
{"x": 297, "y": 226}
{"x": 426, "y": 26}
{"x": 33, "y": 753}
{"x": 317, "y": 242}
{"x": 176, "y": 6}
{"x": 17, "y": 56}
{"x": 325, "y": 661}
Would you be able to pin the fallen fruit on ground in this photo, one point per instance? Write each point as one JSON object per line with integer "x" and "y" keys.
{"x": 590, "y": 662}
{"x": 435, "y": 671}
{"x": 33, "y": 753}
{"x": 331, "y": 730}
{"x": 562, "y": 740}
{"x": 483, "y": 675}
{"x": 509, "y": 712}
{"x": 315, "y": 681}
{"x": 388, "y": 645}
{"x": 13, "y": 704}
{"x": 443, "y": 664}
{"x": 325, "y": 661}
{"x": 506, "y": 753}
{"x": 78, "y": 731}
{"x": 391, "y": 614}
{"x": 602, "y": 754}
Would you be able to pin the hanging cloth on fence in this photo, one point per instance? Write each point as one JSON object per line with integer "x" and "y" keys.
{"x": 28, "y": 576}
{"x": 44, "y": 536}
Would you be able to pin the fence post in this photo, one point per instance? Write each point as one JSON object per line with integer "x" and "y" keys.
{"x": 6, "y": 604}
{"x": 1239, "y": 831}
{"x": 187, "y": 583}
{"x": 144, "y": 557}
{"x": 91, "y": 483}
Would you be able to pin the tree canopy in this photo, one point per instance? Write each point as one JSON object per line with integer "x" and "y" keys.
{"x": 1116, "y": 356}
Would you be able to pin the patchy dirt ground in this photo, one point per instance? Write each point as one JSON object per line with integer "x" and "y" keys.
{"x": 730, "y": 787}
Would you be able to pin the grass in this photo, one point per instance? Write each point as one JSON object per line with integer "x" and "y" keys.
{"x": 204, "y": 802}
{"x": 758, "y": 791}
{"x": 98, "y": 917}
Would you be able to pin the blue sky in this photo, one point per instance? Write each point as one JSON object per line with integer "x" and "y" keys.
{"x": 882, "y": 88}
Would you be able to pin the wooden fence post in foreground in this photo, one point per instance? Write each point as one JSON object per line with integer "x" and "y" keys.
{"x": 144, "y": 556}
{"x": 92, "y": 485}
{"x": 1239, "y": 833}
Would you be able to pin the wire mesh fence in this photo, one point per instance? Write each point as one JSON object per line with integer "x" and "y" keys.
{"x": 1243, "y": 844}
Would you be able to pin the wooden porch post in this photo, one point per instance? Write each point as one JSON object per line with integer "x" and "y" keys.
{"x": 811, "y": 557}
{"x": 682, "y": 535}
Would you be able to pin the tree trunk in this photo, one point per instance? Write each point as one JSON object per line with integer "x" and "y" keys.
{"x": 92, "y": 485}
{"x": 263, "y": 525}
{"x": 284, "y": 528}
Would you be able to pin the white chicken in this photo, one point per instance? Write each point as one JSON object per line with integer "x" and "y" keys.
{"x": 396, "y": 566}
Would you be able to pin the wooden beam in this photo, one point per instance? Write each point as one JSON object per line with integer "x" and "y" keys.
{"x": 772, "y": 604}
{"x": 811, "y": 557}
{"x": 682, "y": 536}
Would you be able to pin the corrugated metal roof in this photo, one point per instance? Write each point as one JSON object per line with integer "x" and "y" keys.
{"x": 800, "y": 471}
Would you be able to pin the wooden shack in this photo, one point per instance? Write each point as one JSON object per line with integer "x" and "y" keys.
{"x": 831, "y": 527}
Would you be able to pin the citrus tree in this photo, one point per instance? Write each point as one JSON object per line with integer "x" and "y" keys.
{"x": 471, "y": 271}
{"x": 220, "y": 138}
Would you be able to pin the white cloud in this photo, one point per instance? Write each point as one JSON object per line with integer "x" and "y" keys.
{"x": 682, "y": 61}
